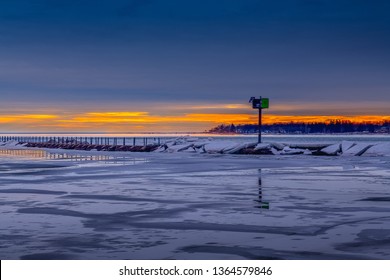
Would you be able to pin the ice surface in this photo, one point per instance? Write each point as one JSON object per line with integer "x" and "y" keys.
{"x": 117, "y": 205}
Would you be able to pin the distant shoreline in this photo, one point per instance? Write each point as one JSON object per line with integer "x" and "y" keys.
{"x": 196, "y": 133}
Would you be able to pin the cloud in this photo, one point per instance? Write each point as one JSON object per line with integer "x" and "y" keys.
{"x": 27, "y": 118}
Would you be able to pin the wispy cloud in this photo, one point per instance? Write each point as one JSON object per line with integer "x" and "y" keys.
{"x": 27, "y": 118}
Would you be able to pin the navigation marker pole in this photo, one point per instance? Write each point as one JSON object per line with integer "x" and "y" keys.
{"x": 259, "y": 103}
{"x": 259, "y": 126}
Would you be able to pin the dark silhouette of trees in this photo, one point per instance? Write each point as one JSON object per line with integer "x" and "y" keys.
{"x": 333, "y": 126}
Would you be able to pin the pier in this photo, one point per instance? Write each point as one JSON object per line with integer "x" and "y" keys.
{"x": 131, "y": 144}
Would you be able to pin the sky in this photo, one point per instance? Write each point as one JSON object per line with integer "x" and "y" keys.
{"x": 173, "y": 65}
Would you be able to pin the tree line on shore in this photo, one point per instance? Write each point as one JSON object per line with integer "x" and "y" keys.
{"x": 333, "y": 126}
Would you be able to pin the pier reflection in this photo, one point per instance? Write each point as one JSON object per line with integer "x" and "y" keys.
{"x": 260, "y": 202}
{"x": 23, "y": 153}
{"x": 42, "y": 154}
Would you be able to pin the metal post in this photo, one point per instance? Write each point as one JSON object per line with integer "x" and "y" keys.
{"x": 259, "y": 138}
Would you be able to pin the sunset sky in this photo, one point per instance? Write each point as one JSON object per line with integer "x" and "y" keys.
{"x": 173, "y": 65}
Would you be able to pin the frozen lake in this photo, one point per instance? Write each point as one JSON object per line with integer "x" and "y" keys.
{"x": 90, "y": 205}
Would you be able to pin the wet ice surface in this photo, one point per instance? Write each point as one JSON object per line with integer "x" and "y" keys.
{"x": 86, "y": 205}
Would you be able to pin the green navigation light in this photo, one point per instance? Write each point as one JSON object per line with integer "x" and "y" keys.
{"x": 264, "y": 103}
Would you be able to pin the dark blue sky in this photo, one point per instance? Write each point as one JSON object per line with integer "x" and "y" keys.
{"x": 118, "y": 54}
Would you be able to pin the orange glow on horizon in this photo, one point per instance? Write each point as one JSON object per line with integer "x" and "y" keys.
{"x": 144, "y": 121}
{"x": 117, "y": 114}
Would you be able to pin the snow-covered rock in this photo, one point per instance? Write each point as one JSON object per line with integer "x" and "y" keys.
{"x": 289, "y": 151}
{"x": 357, "y": 150}
{"x": 239, "y": 148}
{"x": 11, "y": 144}
{"x": 278, "y": 146}
{"x": 262, "y": 146}
{"x": 200, "y": 144}
{"x": 232, "y": 147}
{"x": 192, "y": 139}
{"x": 332, "y": 149}
{"x": 215, "y": 145}
{"x": 179, "y": 148}
{"x": 382, "y": 149}
{"x": 345, "y": 145}
{"x": 219, "y": 146}
{"x": 310, "y": 146}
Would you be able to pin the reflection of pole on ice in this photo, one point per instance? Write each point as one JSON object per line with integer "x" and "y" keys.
{"x": 260, "y": 187}
{"x": 263, "y": 204}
